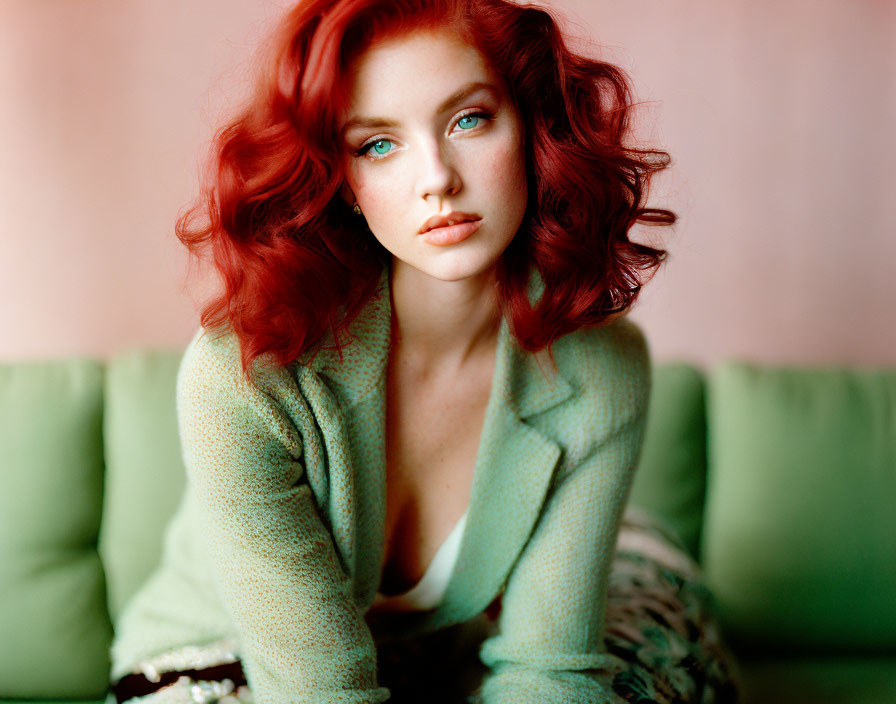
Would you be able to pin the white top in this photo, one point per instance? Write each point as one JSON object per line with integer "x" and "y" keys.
{"x": 428, "y": 592}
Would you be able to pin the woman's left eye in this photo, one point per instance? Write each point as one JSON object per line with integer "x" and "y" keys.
{"x": 472, "y": 119}
{"x": 465, "y": 122}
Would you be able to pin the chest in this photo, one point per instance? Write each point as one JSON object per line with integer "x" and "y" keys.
{"x": 432, "y": 440}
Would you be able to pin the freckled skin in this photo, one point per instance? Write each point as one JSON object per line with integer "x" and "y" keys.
{"x": 432, "y": 164}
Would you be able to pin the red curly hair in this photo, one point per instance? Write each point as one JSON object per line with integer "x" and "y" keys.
{"x": 286, "y": 246}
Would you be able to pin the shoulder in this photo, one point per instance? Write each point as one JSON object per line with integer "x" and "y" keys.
{"x": 210, "y": 356}
{"x": 610, "y": 362}
{"x": 212, "y": 360}
{"x": 212, "y": 388}
{"x": 608, "y": 371}
{"x": 211, "y": 370}
{"x": 620, "y": 343}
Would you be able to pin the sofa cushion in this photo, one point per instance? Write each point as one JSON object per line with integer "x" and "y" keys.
{"x": 799, "y": 546}
{"x": 53, "y": 619}
{"x": 144, "y": 471}
{"x": 670, "y": 481}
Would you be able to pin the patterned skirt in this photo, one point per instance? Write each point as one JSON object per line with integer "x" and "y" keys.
{"x": 661, "y": 635}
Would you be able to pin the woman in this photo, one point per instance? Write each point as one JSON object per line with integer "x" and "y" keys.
{"x": 412, "y": 408}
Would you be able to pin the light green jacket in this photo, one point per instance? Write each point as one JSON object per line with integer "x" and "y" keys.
{"x": 280, "y": 536}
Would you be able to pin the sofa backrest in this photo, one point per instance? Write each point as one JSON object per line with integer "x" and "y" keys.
{"x": 670, "y": 481}
{"x": 145, "y": 475}
{"x": 54, "y": 626}
{"x": 90, "y": 473}
{"x": 800, "y": 531}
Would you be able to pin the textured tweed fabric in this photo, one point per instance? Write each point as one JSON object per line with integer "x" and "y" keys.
{"x": 280, "y": 534}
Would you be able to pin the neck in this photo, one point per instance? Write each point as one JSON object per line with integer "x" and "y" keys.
{"x": 443, "y": 323}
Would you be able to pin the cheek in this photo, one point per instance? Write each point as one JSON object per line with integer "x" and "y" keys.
{"x": 380, "y": 199}
{"x": 384, "y": 207}
{"x": 371, "y": 184}
{"x": 507, "y": 172}
{"x": 507, "y": 162}
{"x": 509, "y": 183}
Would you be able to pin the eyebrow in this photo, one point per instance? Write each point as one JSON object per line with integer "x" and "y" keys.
{"x": 375, "y": 122}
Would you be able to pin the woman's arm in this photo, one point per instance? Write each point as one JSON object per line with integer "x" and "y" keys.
{"x": 550, "y": 645}
{"x": 303, "y": 639}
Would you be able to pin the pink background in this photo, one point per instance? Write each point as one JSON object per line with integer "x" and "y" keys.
{"x": 780, "y": 118}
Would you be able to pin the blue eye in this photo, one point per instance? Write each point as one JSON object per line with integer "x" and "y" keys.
{"x": 376, "y": 145}
{"x": 474, "y": 118}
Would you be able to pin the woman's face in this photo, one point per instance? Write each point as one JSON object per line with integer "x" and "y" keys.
{"x": 440, "y": 137}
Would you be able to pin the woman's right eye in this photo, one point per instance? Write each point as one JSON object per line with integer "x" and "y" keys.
{"x": 376, "y": 145}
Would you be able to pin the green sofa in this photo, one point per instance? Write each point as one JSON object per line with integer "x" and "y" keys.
{"x": 781, "y": 481}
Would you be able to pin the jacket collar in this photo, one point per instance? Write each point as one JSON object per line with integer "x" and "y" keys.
{"x": 527, "y": 382}
{"x": 357, "y": 369}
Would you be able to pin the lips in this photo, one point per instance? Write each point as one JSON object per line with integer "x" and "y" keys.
{"x": 451, "y": 218}
{"x": 450, "y": 234}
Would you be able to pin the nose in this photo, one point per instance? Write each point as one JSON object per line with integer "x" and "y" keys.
{"x": 438, "y": 175}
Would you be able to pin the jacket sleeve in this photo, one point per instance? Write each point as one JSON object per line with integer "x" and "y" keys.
{"x": 549, "y": 646}
{"x": 302, "y": 637}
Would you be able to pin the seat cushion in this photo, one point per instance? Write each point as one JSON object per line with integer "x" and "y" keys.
{"x": 799, "y": 542}
{"x": 670, "y": 481}
{"x": 53, "y": 619}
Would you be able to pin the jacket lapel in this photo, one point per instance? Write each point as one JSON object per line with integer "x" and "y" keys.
{"x": 347, "y": 393}
{"x": 513, "y": 471}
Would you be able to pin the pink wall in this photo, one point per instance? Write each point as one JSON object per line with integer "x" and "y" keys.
{"x": 779, "y": 117}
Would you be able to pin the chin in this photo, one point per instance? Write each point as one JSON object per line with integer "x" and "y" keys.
{"x": 457, "y": 270}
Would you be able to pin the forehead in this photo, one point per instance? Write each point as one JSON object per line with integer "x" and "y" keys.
{"x": 417, "y": 69}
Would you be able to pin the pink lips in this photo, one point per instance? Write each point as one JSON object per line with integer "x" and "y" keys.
{"x": 451, "y": 218}
{"x": 451, "y": 234}
{"x": 442, "y": 230}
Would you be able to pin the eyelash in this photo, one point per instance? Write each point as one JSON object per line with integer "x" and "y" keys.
{"x": 364, "y": 149}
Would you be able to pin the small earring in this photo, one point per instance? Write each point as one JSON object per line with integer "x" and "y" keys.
{"x": 356, "y": 209}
